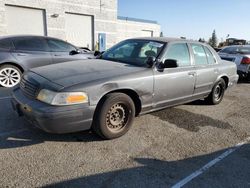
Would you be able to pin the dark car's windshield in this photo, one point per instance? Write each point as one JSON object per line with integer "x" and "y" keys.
{"x": 133, "y": 52}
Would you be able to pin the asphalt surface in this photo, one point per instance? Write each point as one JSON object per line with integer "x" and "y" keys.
{"x": 160, "y": 150}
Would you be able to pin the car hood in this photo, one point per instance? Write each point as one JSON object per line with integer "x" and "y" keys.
{"x": 84, "y": 71}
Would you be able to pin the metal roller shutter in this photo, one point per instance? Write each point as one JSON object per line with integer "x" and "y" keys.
{"x": 25, "y": 21}
{"x": 79, "y": 30}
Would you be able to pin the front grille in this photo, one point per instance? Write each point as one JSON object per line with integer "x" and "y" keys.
{"x": 28, "y": 88}
{"x": 228, "y": 58}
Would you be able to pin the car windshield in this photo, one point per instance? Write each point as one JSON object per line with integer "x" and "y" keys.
{"x": 133, "y": 52}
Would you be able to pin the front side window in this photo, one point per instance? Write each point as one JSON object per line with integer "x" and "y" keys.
{"x": 200, "y": 56}
{"x": 60, "y": 46}
{"x": 5, "y": 44}
{"x": 180, "y": 53}
{"x": 30, "y": 44}
{"x": 133, "y": 52}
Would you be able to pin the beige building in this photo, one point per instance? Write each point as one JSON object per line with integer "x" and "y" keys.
{"x": 78, "y": 21}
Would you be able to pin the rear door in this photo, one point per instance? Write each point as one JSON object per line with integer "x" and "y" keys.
{"x": 174, "y": 85}
{"x": 206, "y": 69}
{"x": 60, "y": 51}
{"x": 31, "y": 51}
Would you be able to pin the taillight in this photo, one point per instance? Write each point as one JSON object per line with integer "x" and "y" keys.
{"x": 245, "y": 60}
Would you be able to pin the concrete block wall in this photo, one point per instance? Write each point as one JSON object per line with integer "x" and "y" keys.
{"x": 104, "y": 16}
{"x": 130, "y": 29}
{"x": 103, "y": 11}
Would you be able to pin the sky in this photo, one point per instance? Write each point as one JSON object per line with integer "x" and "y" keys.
{"x": 193, "y": 19}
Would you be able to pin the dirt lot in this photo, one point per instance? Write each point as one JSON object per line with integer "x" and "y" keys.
{"x": 163, "y": 149}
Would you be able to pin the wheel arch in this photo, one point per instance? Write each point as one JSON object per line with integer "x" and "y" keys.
{"x": 225, "y": 78}
{"x": 130, "y": 92}
{"x": 13, "y": 64}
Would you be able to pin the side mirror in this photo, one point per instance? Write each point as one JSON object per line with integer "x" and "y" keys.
{"x": 98, "y": 53}
{"x": 170, "y": 63}
{"x": 74, "y": 52}
{"x": 150, "y": 61}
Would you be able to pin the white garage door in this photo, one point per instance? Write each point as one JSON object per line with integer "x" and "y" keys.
{"x": 25, "y": 21}
{"x": 79, "y": 30}
{"x": 146, "y": 33}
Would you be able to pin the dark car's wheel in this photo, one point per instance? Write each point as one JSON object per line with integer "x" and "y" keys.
{"x": 114, "y": 116}
{"x": 217, "y": 94}
{"x": 9, "y": 75}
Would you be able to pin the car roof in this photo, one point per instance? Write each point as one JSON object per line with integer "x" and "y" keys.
{"x": 165, "y": 39}
{"x": 20, "y": 36}
{"x": 237, "y": 46}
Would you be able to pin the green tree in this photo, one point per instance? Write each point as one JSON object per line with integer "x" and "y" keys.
{"x": 213, "y": 40}
{"x": 161, "y": 34}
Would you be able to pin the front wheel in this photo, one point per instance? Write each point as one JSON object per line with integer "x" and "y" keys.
{"x": 217, "y": 93}
{"x": 114, "y": 116}
{"x": 9, "y": 76}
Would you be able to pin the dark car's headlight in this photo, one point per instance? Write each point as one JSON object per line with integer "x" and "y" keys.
{"x": 62, "y": 98}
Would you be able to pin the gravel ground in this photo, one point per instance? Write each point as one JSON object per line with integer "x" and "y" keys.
{"x": 161, "y": 149}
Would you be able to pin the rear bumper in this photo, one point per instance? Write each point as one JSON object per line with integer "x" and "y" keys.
{"x": 53, "y": 119}
{"x": 233, "y": 80}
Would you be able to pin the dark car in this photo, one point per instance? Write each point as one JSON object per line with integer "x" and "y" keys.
{"x": 134, "y": 77}
{"x": 20, "y": 53}
{"x": 240, "y": 55}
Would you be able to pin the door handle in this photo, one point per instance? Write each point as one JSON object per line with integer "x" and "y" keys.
{"x": 57, "y": 55}
{"x": 192, "y": 73}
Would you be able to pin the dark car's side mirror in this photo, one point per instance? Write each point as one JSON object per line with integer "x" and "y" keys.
{"x": 98, "y": 53}
{"x": 74, "y": 52}
{"x": 170, "y": 63}
{"x": 150, "y": 61}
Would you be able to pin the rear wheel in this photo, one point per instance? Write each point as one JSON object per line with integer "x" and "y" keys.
{"x": 114, "y": 116}
{"x": 9, "y": 76}
{"x": 217, "y": 94}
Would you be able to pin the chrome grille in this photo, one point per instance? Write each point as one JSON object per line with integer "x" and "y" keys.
{"x": 28, "y": 88}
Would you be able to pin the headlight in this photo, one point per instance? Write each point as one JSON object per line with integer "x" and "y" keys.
{"x": 62, "y": 98}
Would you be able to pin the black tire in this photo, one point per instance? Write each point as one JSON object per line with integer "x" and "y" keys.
{"x": 10, "y": 75}
{"x": 114, "y": 116}
{"x": 217, "y": 93}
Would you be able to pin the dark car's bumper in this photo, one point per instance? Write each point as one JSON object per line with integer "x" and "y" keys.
{"x": 53, "y": 119}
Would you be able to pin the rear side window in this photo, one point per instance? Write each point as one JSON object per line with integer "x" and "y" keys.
{"x": 5, "y": 44}
{"x": 60, "y": 46}
{"x": 180, "y": 53}
{"x": 30, "y": 44}
{"x": 210, "y": 57}
{"x": 200, "y": 56}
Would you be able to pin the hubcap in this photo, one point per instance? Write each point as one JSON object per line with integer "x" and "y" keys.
{"x": 217, "y": 92}
{"x": 117, "y": 117}
{"x": 9, "y": 77}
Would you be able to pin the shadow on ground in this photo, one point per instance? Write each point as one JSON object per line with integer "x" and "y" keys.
{"x": 188, "y": 120}
{"x": 151, "y": 172}
{"x": 181, "y": 118}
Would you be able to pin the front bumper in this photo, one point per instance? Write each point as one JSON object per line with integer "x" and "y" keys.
{"x": 53, "y": 119}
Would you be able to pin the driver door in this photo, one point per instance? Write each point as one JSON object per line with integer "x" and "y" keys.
{"x": 60, "y": 51}
{"x": 174, "y": 85}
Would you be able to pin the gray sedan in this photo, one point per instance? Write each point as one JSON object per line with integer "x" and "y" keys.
{"x": 134, "y": 77}
{"x": 20, "y": 53}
